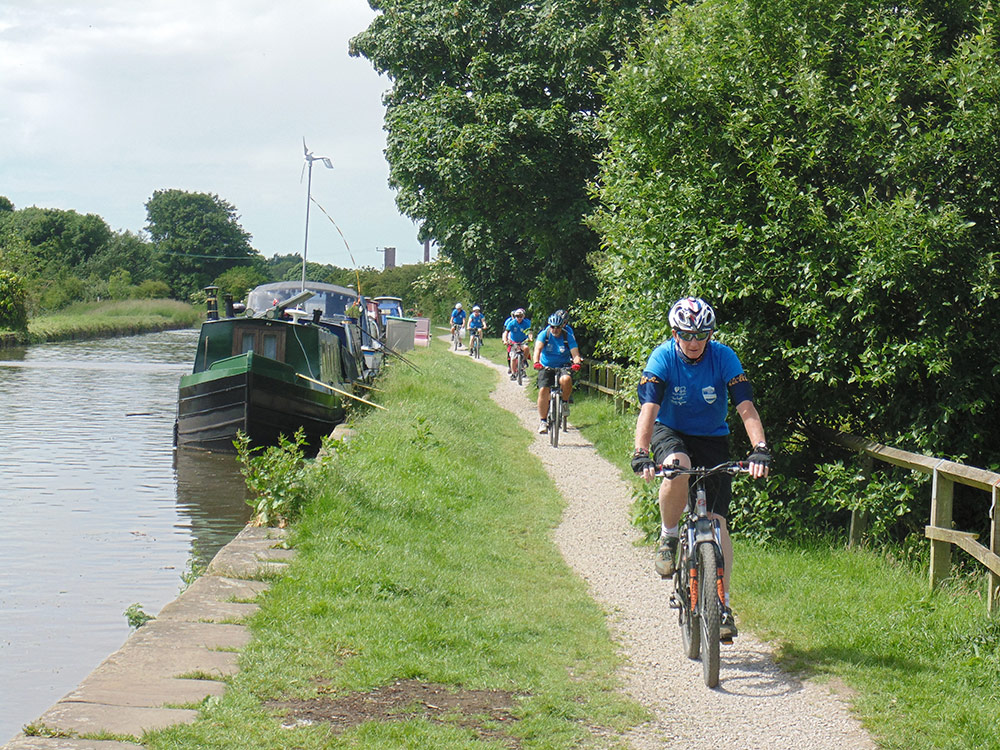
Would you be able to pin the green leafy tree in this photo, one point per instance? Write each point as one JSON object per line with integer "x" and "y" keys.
{"x": 824, "y": 172}
{"x": 13, "y": 307}
{"x": 123, "y": 250}
{"x": 436, "y": 291}
{"x": 53, "y": 241}
{"x": 491, "y": 131}
{"x": 239, "y": 281}
{"x": 197, "y": 236}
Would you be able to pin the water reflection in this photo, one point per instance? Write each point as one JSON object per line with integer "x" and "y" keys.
{"x": 96, "y": 516}
{"x": 210, "y": 493}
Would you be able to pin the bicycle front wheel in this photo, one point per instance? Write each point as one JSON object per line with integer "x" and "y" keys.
{"x": 555, "y": 418}
{"x": 520, "y": 370}
{"x": 690, "y": 629}
{"x": 709, "y": 612}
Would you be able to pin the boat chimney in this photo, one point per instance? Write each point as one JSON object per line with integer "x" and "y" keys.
{"x": 228, "y": 301}
{"x": 212, "y": 302}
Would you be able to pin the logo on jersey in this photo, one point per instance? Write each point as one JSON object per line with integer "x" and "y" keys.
{"x": 678, "y": 397}
{"x": 709, "y": 394}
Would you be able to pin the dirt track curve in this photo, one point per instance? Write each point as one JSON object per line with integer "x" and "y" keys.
{"x": 756, "y": 705}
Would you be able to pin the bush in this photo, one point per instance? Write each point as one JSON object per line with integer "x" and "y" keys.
{"x": 13, "y": 302}
{"x": 274, "y": 478}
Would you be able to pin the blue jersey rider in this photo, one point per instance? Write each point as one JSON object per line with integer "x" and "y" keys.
{"x": 683, "y": 397}
{"x": 477, "y": 324}
{"x": 457, "y": 321}
{"x": 517, "y": 332}
{"x": 555, "y": 348}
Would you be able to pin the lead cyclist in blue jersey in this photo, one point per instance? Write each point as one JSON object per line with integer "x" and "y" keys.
{"x": 683, "y": 396}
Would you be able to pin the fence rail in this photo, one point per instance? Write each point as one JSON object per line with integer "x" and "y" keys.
{"x": 609, "y": 380}
{"x": 945, "y": 474}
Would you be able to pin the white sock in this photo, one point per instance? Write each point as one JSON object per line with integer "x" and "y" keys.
{"x": 673, "y": 531}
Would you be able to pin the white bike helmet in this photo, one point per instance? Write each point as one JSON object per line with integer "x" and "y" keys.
{"x": 458, "y": 305}
{"x": 692, "y": 314}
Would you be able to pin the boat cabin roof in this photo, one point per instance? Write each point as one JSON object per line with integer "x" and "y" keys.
{"x": 330, "y": 299}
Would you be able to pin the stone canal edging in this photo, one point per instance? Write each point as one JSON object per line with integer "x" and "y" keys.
{"x": 179, "y": 658}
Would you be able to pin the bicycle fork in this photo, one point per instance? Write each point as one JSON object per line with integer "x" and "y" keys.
{"x": 704, "y": 530}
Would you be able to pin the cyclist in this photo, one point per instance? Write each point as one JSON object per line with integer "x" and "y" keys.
{"x": 682, "y": 417}
{"x": 555, "y": 347}
{"x": 457, "y": 321}
{"x": 517, "y": 332}
{"x": 477, "y": 325}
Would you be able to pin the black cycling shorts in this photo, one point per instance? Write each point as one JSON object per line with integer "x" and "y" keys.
{"x": 547, "y": 377}
{"x": 707, "y": 451}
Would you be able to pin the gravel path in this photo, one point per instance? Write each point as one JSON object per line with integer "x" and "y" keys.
{"x": 756, "y": 705}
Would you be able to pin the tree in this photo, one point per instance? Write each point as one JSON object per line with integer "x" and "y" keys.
{"x": 55, "y": 241}
{"x": 491, "y": 132}
{"x": 239, "y": 281}
{"x": 825, "y": 173}
{"x": 196, "y": 236}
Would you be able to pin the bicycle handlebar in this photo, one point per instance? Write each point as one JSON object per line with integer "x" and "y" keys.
{"x": 732, "y": 468}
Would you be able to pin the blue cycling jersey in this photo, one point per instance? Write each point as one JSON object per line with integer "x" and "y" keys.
{"x": 517, "y": 331}
{"x": 694, "y": 398}
{"x": 477, "y": 320}
{"x": 458, "y": 317}
{"x": 556, "y": 349}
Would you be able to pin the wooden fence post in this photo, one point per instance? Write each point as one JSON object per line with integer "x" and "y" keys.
{"x": 993, "y": 594}
{"x": 942, "y": 495}
{"x": 860, "y": 517}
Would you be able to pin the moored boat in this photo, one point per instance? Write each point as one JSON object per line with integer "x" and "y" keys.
{"x": 289, "y": 361}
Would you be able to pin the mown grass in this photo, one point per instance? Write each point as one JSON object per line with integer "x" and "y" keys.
{"x": 87, "y": 320}
{"x": 426, "y": 554}
{"x": 922, "y": 669}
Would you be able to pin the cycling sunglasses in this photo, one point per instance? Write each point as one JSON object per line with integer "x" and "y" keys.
{"x": 693, "y": 335}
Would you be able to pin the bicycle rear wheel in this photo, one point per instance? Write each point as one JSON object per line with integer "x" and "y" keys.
{"x": 709, "y": 612}
{"x": 555, "y": 418}
{"x": 690, "y": 629}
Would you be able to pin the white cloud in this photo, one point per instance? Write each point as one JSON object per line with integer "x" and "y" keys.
{"x": 101, "y": 103}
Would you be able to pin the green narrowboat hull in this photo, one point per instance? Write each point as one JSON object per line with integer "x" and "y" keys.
{"x": 256, "y": 395}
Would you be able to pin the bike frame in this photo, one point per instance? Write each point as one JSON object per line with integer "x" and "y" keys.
{"x": 699, "y": 624}
{"x": 557, "y": 416}
{"x": 516, "y": 354}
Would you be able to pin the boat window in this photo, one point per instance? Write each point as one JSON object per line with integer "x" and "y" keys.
{"x": 266, "y": 342}
{"x": 270, "y": 348}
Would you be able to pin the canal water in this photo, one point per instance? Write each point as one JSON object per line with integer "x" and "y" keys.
{"x": 96, "y": 511}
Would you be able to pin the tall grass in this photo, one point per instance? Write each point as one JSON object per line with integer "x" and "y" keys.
{"x": 99, "y": 319}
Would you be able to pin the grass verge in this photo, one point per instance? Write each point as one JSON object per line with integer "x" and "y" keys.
{"x": 428, "y": 606}
{"x": 921, "y": 669}
{"x": 91, "y": 320}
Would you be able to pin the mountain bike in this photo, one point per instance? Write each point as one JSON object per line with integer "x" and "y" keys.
{"x": 517, "y": 363}
{"x": 476, "y": 342}
{"x": 698, "y": 593}
{"x": 456, "y": 338}
{"x": 558, "y": 417}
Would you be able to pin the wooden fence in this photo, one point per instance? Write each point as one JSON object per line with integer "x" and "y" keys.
{"x": 609, "y": 380}
{"x": 945, "y": 474}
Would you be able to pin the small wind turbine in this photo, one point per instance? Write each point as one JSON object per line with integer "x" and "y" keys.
{"x": 309, "y": 160}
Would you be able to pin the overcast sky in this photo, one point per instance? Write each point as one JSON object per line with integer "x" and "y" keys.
{"x": 104, "y": 101}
